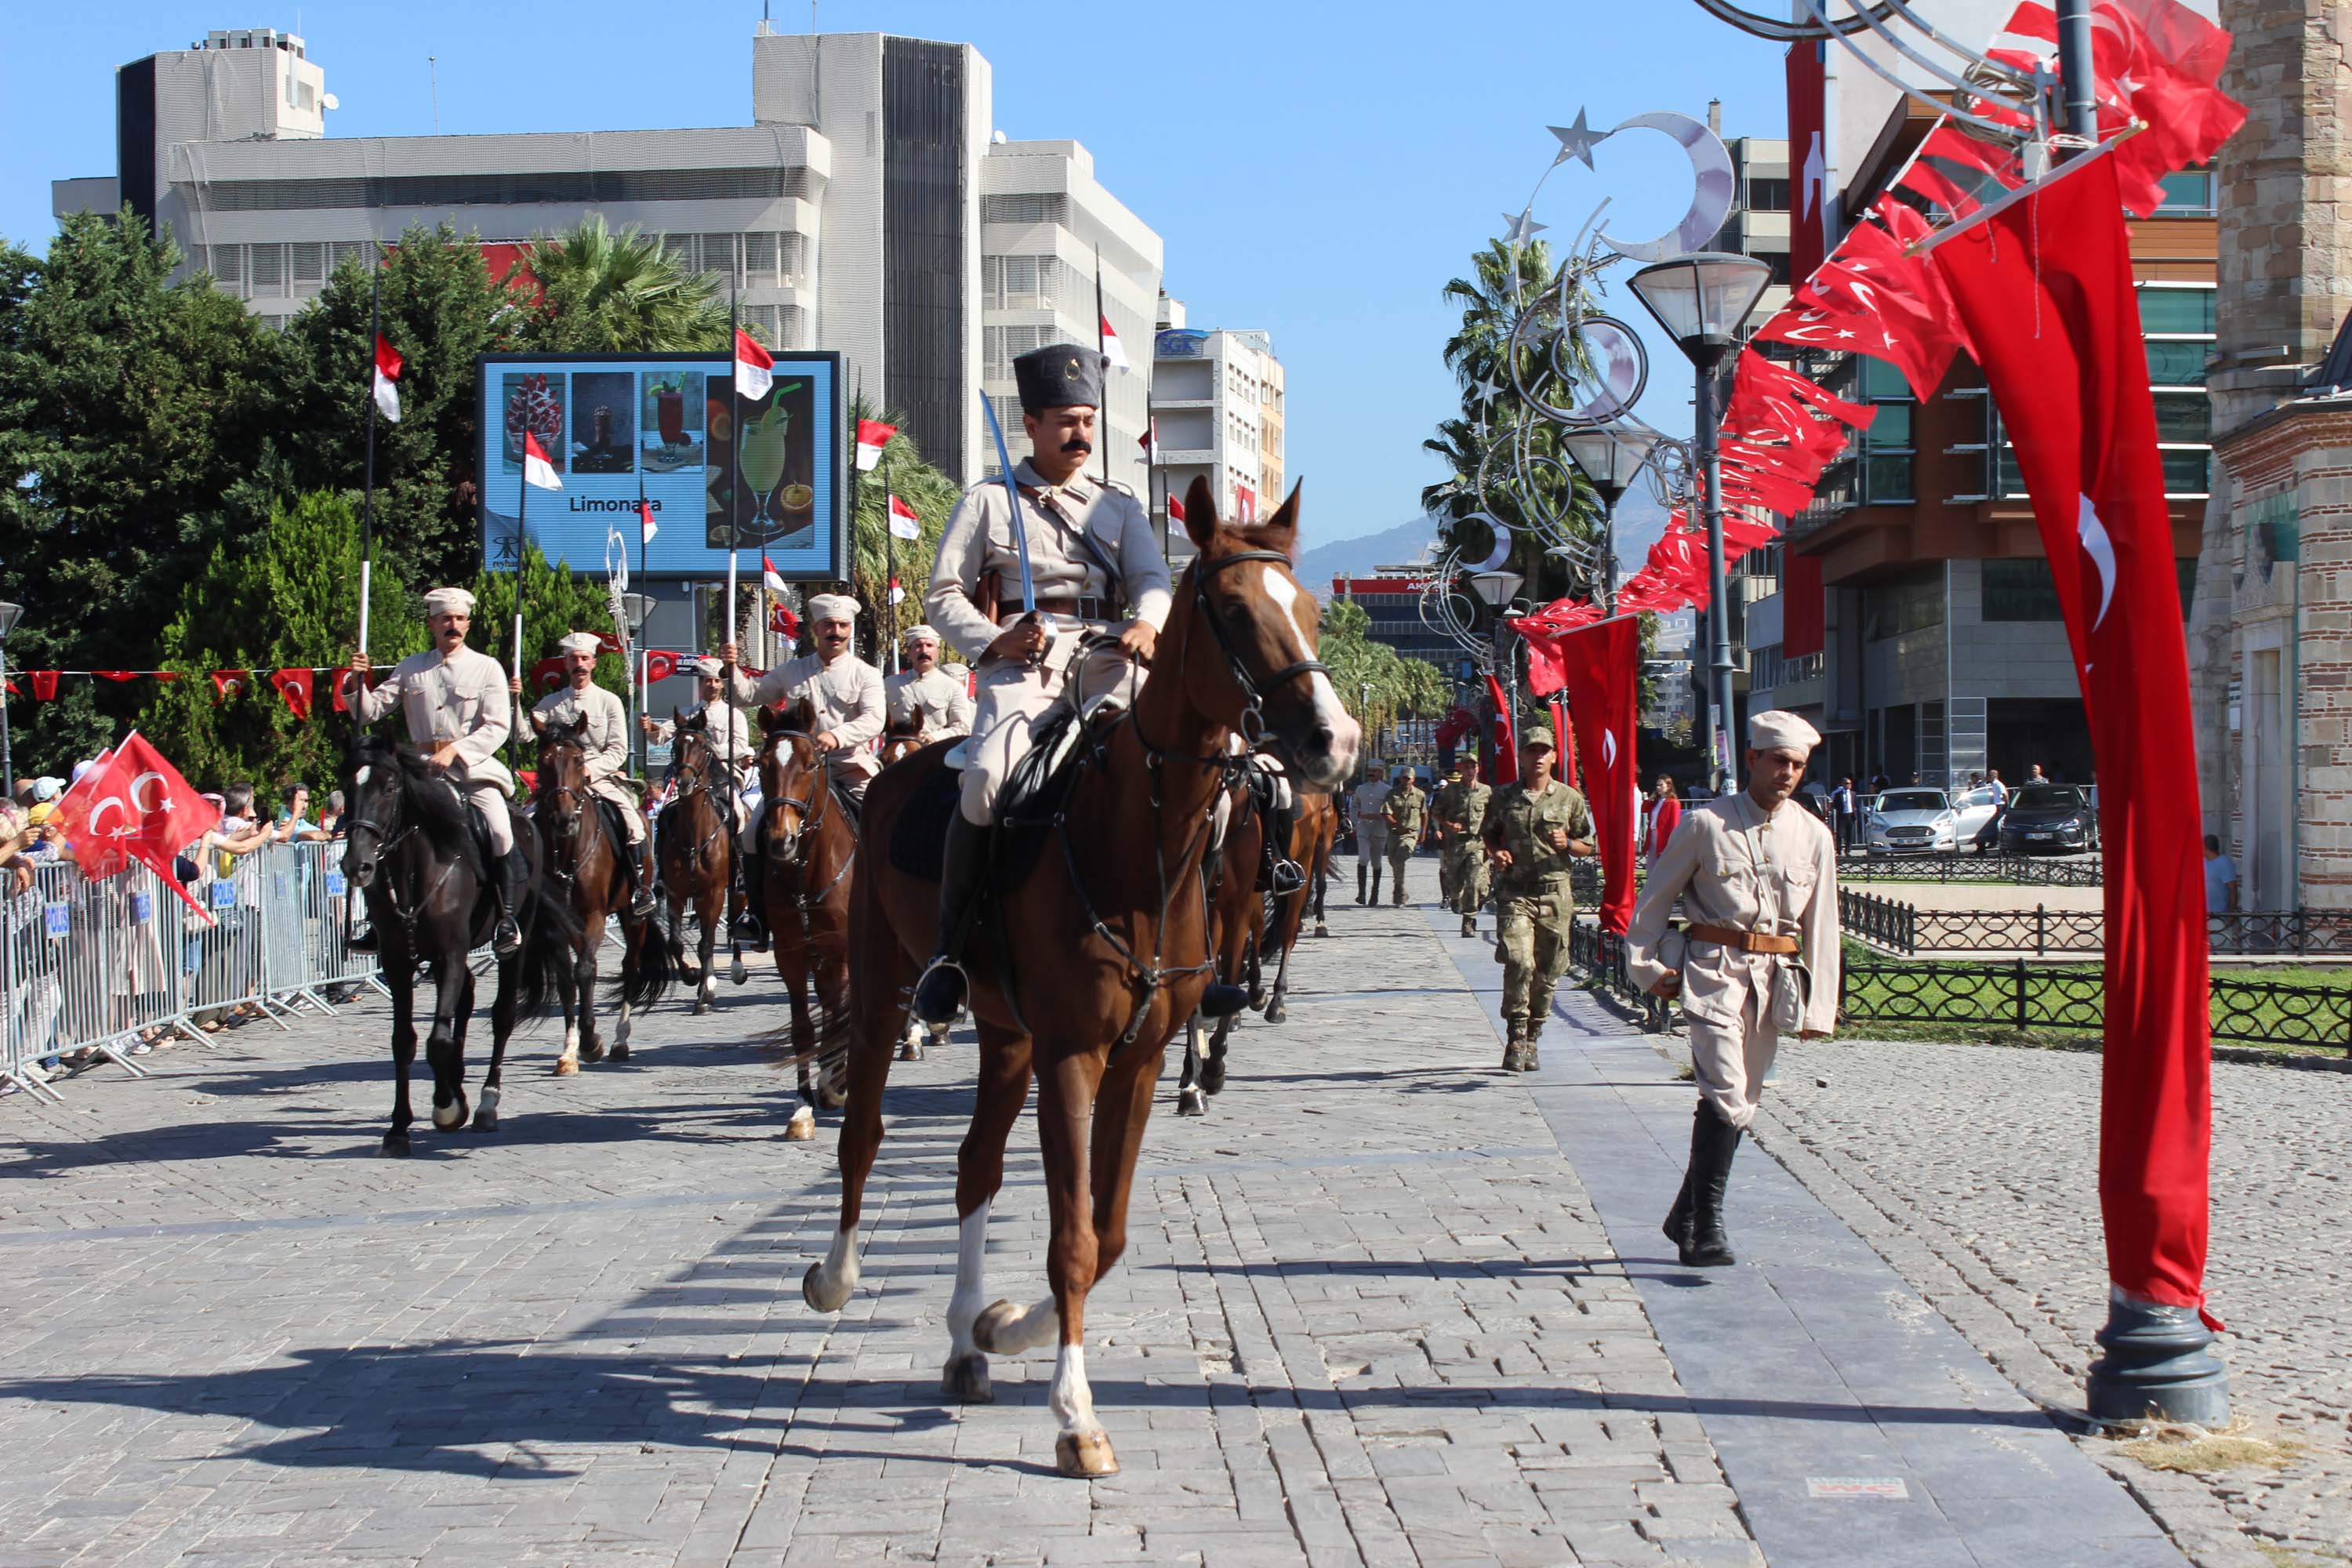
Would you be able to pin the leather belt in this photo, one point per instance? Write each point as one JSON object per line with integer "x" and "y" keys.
{"x": 1744, "y": 940}
{"x": 1085, "y": 607}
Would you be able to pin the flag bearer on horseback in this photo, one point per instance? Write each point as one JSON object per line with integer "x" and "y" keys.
{"x": 607, "y": 737}
{"x": 1101, "y": 593}
{"x": 844, "y": 697}
{"x": 458, "y": 709}
{"x": 731, "y": 743}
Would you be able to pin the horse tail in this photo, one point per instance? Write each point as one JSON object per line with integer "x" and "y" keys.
{"x": 649, "y": 966}
{"x": 551, "y": 934}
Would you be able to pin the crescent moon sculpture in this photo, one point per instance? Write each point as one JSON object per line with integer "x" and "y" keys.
{"x": 1711, "y": 187}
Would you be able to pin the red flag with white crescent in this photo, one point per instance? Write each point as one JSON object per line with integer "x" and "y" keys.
{"x": 134, "y": 806}
{"x": 295, "y": 686}
{"x": 2045, "y": 289}
{"x": 228, "y": 683}
{"x": 1604, "y": 670}
{"x": 660, "y": 666}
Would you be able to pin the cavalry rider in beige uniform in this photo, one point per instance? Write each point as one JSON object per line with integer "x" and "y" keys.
{"x": 607, "y": 738}
{"x": 1102, "y": 596}
{"x": 926, "y": 696}
{"x": 731, "y": 743}
{"x": 1757, "y": 958}
{"x": 457, "y": 708}
{"x": 845, "y": 696}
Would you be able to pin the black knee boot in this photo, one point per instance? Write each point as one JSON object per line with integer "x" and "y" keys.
{"x": 939, "y": 994}
{"x": 509, "y": 877}
{"x": 1714, "y": 1141}
{"x": 642, "y": 877}
{"x": 1361, "y": 868}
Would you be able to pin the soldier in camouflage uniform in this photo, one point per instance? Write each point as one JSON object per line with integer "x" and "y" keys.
{"x": 1407, "y": 806}
{"x": 1533, "y": 830}
{"x": 1459, "y": 811}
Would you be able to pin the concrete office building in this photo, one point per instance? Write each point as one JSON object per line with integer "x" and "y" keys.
{"x": 1218, "y": 398}
{"x": 1390, "y": 596}
{"x": 866, "y": 208}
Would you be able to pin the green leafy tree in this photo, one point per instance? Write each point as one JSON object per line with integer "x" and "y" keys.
{"x": 554, "y": 603}
{"x": 287, "y": 594}
{"x": 441, "y": 309}
{"x": 607, "y": 292}
{"x": 129, "y": 406}
{"x": 1398, "y": 687}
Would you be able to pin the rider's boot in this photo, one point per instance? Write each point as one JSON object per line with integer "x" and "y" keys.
{"x": 1376, "y": 884}
{"x": 509, "y": 877}
{"x": 1359, "y": 880}
{"x": 939, "y": 992}
{"x": 743, "y": 911}
{"x": 359, "y": 932}
{"x": 642, "y": 876}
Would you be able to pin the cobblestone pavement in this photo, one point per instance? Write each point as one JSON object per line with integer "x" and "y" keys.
{"x": 1972, "y": 1170}
{"x": 1368, "y": 1316}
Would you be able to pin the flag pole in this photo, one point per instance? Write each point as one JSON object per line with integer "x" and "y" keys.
{"x": 367, "y": 494}
{"x": 522, "y": 541}
{"x": 1151, "y": 466}
{"x": 1102, "y": 434}
{"x": 734, "y": 505}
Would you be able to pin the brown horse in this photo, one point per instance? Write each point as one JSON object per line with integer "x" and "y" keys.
{"x": 808, "y": 856}
{"x": 1312, "y": 834}
{"x": 1101, "y": 950}
{"x": 1237, "y": 923}
{"x": 900, "y": 738}
{"x": 696, "y": 852}
{"x": 587, "y": 868}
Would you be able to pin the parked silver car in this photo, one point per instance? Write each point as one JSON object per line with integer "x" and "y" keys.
{"x": 1921, "y": 821}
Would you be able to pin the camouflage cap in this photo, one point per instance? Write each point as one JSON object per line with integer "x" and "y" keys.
{"x": 1540, "y": 735}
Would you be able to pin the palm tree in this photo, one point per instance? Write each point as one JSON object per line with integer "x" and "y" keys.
{"x": 606, "y": 292}
{"x": 903, "y": 472}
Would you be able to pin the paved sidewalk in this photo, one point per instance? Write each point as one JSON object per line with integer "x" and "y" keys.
{"x": 1368, "y": 1316}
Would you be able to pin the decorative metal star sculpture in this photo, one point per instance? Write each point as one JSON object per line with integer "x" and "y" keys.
{"x": 1487, "y": 389}
{"x": 1523, "y": 227}
{"x": 1577, "y": 141}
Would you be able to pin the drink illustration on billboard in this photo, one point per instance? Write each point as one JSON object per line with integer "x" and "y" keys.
{"x": 767, "y": 473}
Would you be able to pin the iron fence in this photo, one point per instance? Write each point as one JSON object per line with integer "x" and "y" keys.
{"x": 95, "y": 965}
{"x": 1894, "y": 926}
{"x": 2028, "y": 870}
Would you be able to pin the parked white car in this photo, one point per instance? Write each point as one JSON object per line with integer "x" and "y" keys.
{"x": 1920, "y": 821}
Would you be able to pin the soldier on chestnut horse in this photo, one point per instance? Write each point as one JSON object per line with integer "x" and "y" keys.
{"x": 1096, "y": 935}
{"x": 807, "y": 865}
{"x": 711, "y": 755}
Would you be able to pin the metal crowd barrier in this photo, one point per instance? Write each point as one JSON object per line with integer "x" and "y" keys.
{"x": 95, "y": 965}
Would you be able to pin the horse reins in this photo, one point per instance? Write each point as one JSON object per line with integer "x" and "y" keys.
{"x": 812, "y": 814}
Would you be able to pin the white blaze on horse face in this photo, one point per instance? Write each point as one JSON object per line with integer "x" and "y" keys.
{"x": 360, "y": 778}
{"x": 1328, "y": 709}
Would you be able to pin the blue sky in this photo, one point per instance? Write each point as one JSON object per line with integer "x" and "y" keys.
{"x": 1316, "y": 170}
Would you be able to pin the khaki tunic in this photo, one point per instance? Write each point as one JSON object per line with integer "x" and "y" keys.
{"x": 935, "y": 703}
{"x": 463, "y": 697}
{"x": 847, "y": 697}
{"x": 1731, "y": 866}
{"x": 977, "y": 553}
{"x": 1366, "y": 804}
{"x": 607, "y": 739}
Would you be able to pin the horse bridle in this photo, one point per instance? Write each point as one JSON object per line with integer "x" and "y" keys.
{"x": 1253, "y": 690}
{"x": 698, "y": 779}
{"x": 390, "y": 836}
{"x": 573, "y": 822}
{"x": 809, "y": 808}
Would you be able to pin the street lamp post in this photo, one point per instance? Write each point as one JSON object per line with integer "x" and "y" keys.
{"x": 10, "y": 616}
{"x": 1608, "y": 456}
{"x": 1364, "y": 706}
{"x": 1495, "y": 590}
{"x": 1702, "y": 300}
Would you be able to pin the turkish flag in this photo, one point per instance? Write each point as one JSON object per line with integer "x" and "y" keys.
{"x": 118, "y": 676}
{"x": 339, "y": 679}
{"x": 134, "y": 806}
{"x": 782, "y": 622}
{"x": 1547, "y": 670}
{"x": 660, "y": 666}
{"x": 2045, "y": 289}
{"x": 295, "y": 686}
{"x": 45, "y": 685}
{"x": 1506, "y": 749}
{"x": 228, "y": 683}
{"x": 545, "y": 675}
{"x": 1605, "y": 666}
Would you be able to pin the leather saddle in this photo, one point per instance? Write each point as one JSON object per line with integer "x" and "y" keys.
{"x": 1039, "y": 788}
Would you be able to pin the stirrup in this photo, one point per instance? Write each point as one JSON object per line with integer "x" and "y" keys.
{"x": 1287, "y": 877}
{"x": 940, "y": 1006}
{"x": 360, "y": 940}
{"x": 506, "y": 937}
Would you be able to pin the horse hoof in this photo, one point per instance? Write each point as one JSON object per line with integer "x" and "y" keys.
{"x": 814, "y": 1292}
{"x": 828, "y": 1100}
{"x": 1189, "y": 1102}
{"x": 592, "y": 1053}
{"x": 566, "y": 1065}
{"x": 908, "y": 1051}
{"x": 701, "y": 1005}
{"x": 1081, "y": 1455}
{"x": 1213, "y": 1077}
{"x": 1276, "y": 1013}
{"x": 485, "y": 1119}
{"x": 995, "y": 1316}
{"x": 618, "y": 1054}
{"x": 449, "y": 1118}
{"x": 965, "y": 1380}
{"x": 1257, "y": 999}
{"x": 395, "y": 1145}
{"x": 802, "y": 1126}
{"x": 1322, "y": 929}
{"x": 738, "y": 975}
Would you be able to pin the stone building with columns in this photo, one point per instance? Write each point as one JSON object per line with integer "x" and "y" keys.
{"x": 2270, "y": 634}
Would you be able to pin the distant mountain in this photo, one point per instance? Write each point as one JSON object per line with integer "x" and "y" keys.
{"x": 1356, "y": 557}
{"x": 1641, "y": 523}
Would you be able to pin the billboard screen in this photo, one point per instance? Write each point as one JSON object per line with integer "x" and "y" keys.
{"x": 766, "y": 474}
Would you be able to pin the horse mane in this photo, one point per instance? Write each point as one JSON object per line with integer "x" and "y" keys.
{"x": 425, "y": 787}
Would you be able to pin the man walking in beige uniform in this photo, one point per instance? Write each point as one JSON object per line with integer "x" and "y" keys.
{"x": 605, "y": 734}
{"x": 1756, "y": 957}
{"x": 457, "y": 708}
{"x": 1102, "y": 595}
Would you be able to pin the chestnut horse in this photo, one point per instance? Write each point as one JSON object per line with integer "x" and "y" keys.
{"x": 1237, "y": 926}
{"x": 1083, "y": 968}
{"x": 1313, "y": 832}
{"x": 696, "y": 853}
{"x": 808, "y": 856}
{"x": 587, "y": 868}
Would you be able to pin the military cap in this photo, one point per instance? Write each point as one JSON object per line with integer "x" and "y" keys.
{"x": 708, "y": 668}
{"x": 1061, "y": 376}
{"x": 919, "y": 634}
{"x": 832, "y": 607}
{"x": 450, "y": 601}
{"x": 579, "y": 642}
{"x": 1540, "y": 735}
{"x": 1781, "y": 731}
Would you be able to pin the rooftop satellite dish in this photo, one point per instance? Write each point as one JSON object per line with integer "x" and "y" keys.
{"x": 328, "y": 100}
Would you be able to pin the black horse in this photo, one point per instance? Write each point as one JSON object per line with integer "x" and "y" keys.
{"x": 416, "y": 854}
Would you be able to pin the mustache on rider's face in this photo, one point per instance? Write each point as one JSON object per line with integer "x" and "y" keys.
{"x": 1078, "y": 446}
